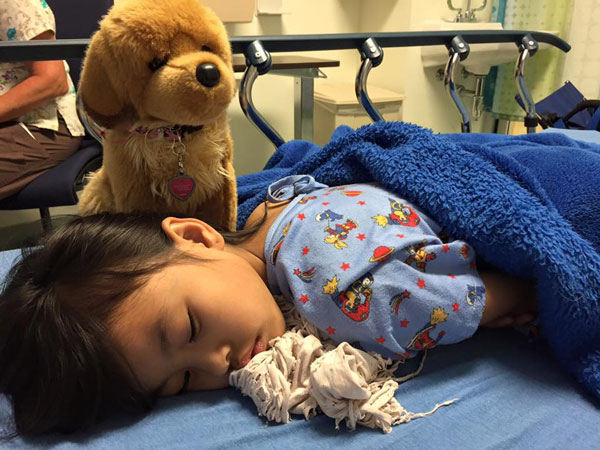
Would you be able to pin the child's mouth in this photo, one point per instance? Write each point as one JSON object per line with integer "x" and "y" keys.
{"x": 259, "y": 346}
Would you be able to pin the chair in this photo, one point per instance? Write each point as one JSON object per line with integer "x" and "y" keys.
{"x": 59, "y": 185}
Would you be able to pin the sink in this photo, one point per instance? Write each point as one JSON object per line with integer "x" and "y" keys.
{"x": 482, "y": 56}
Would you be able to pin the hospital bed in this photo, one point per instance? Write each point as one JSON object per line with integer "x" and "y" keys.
{"x": 510, "y": 391}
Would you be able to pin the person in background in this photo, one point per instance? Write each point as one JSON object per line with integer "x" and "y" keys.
{"x": 39, "y": 127}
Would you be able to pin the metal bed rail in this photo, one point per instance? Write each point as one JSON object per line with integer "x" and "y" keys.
{"x": 370, "y": 46}
{"x": 75, "y": 48}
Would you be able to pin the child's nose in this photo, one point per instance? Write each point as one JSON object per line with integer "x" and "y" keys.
{"x": 215, "y": 362}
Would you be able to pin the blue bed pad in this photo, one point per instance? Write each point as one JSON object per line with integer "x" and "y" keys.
{"x": 581, "y": 135}
{"x": 511, "y": 394}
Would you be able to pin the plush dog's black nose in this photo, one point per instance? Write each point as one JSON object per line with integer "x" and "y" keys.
{"x": 208, "y": 75}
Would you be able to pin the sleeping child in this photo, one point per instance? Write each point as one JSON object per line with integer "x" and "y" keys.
{"x": 114, "y": 311}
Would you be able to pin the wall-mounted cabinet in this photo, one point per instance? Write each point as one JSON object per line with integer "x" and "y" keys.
{"x": 233, "y": 10}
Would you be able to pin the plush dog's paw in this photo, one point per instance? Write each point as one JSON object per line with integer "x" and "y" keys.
{"x": 96, "y": 196}
{"x": 90, "y": 205}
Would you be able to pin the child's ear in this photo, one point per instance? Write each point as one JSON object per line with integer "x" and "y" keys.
{"x": 192, "y": 231}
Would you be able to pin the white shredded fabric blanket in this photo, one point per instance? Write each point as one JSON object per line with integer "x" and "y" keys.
{"x": 304, "y": 372}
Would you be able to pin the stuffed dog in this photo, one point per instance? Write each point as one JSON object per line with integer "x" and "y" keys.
{"x": 158, "y": 77}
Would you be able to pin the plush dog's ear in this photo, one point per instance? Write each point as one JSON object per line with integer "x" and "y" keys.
{"x": 99, "y": 97}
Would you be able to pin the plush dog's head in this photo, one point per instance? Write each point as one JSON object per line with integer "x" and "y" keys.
{"x": 158, "y": 62}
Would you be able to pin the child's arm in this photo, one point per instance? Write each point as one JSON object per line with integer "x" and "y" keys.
{"x": 509, "y": 301}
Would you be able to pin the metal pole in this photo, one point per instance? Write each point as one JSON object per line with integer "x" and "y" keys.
{"x": 458, "y": 49}
{"x": 372, "y": 56}
{"x": 528, "y": 47}
{"x": 258, "y": 62}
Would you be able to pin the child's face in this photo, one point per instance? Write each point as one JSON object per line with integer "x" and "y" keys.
{"x": 192, "y": 323}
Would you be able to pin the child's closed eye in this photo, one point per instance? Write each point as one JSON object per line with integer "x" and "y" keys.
{"x": 193, "y": 335}
{"x": 186, "y": 382}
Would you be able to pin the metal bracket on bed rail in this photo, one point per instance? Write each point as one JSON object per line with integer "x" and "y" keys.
{"x": 258, "y": 62}
{"x": 458, "y": 49}
{"x": 528, "y": 46}
{"x": 371, "y": 55}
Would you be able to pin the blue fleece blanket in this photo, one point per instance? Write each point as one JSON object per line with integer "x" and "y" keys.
{"x": 529, "y": 205}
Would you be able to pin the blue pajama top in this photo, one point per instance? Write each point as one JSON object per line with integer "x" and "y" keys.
{"x": 370, "y": 268}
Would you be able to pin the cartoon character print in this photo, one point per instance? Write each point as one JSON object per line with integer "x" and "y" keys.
{"x": 329, "y": 216}
{"x": 340, "y": 232}
{"x": 401, "y": 214}
{"x": 419, "y": 256}
{"x": 464, "y": 251}
{"x": 475, "y": 294}
{"x": 306, "y": 275}
{"x": 343, "y": 190}
{"x": 279, "y": 243}
{"x": 397, "y": 300}
{"x": 306, "y": 198}
{"x": 351, "y": 193}
{"x": 337, "y": 188}
{"x": 355, "y": 302}
{"x": 423, "y": 340}
{"x": 381, "y": 254}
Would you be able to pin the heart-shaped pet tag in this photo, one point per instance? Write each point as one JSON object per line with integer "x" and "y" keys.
{"x": 182, "y": 187}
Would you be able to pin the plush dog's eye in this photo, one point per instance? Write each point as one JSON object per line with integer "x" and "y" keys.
{"x": 157, "y": 63}
{"x": 206, "y": 48}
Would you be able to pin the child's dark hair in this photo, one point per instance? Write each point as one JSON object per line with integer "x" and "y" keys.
{"x": 58, "y": 366}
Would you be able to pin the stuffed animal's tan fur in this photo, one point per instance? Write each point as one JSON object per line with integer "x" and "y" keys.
{"x": 121, "y": 92}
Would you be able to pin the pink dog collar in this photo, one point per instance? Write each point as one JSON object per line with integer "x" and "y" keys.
{"x": 174, "y": 133}
{"x": 182, "y": 185}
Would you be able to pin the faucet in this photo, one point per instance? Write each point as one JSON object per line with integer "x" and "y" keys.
{"x": 469, "y": 14}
